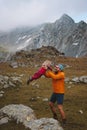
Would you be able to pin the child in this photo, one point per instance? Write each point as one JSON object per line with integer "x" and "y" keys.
{"x": 45, "y": 66}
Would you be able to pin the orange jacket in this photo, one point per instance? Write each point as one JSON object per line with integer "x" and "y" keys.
{"x": 57, "y": 81}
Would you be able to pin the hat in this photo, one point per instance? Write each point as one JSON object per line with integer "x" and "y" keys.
{"x": 60, "y": 66}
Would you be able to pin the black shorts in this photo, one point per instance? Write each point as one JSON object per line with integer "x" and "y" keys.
{"x": 59, "y": 97}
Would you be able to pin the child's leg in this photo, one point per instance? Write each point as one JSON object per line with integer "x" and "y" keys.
{"x": 37, "y": 75}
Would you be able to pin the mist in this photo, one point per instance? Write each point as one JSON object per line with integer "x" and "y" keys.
{"x": 18, "y": 13}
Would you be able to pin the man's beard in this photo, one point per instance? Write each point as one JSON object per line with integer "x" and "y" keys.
{"x": 56, "y": 72}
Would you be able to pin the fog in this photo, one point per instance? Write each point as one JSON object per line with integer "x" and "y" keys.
{"x": 17, "y": 13}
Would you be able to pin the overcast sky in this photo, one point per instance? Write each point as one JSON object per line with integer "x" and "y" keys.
{"x": 15, "y": 13}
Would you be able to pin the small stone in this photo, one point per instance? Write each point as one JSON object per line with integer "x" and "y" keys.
{"x": 1, "y": 95}
{"x": 45, "y": 99}
{"x": 80, "y": 111}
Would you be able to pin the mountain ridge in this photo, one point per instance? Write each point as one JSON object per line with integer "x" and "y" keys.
{"x": 64, "y": 34}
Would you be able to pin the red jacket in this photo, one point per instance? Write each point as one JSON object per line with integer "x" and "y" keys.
{"x": 39, "y": 73}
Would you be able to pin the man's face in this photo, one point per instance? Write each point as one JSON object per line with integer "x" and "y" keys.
{"x": 56, "y": 69}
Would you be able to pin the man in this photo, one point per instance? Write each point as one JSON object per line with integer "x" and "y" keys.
{"x": 58, "y": 90}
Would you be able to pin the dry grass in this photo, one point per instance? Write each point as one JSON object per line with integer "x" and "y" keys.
{"x": 75, "y": 97}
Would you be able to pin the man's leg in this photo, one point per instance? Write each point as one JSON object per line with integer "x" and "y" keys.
{"x": 51, "y": 104}
{"x": 60, "y": 98}
{"x": 63, "y": 116}
{"x": 53, "y": 109}
{"x": 60, "y": 108}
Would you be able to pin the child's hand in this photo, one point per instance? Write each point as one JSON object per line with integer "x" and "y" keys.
{"x": 50, "y": 68}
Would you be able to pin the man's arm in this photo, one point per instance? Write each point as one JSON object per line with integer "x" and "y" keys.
{"x": 51, "y": 74}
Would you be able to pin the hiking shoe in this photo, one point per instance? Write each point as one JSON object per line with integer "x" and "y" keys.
{"x": 55, "y": 117}
{"x": 28, "y": 81}
{"x": 64, "y": 121}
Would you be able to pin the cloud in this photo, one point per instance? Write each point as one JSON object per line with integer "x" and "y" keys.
{"x": 14, "y": 13}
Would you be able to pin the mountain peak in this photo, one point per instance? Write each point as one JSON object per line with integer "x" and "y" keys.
{"x": 66, "y": 18}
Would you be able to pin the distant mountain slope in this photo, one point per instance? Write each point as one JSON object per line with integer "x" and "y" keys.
{"x": 64, "y": 34}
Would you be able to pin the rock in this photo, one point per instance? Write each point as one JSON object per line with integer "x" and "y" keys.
{"x": 70, "y": 83}
{"x": 1, "y": 95}
{"x": 16, "y": 80}
{"x": 18, "y": 112}
{"x": 76, "y": 79}
{"x": 11, "y": 84}
{"x": 4, "y": 120}
{"x": 69, "y": 87}
{"x": 6, "y": 78}
{"x": 83, "y": 79}
{"x": 6, "y": 86}
{"x": 67, "y": 79}
{"x": 26, "y": 115}
{"x": 14, "y": 65}
{"x": 37, "y": 86}
{"x": 44, "y": 124}
{"x": 33, "y": 99}
{"x": 9, "y": 81}
{"x": 45, "y": 99}
{"x": 2, "y": 92}
{"x": 80, "y": 111}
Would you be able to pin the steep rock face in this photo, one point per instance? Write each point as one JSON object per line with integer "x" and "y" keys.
{"x": 53, "y": 34}
{"x": 76, "y": 42}
{"x": 64, "y": 34}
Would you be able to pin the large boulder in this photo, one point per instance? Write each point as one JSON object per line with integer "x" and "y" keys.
{"x": 18, "y": 112}
{"x": 44, "y": 124}
{"x": 26, "y": 115}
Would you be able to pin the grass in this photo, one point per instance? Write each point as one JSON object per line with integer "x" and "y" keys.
{"x": 32, "y": 96}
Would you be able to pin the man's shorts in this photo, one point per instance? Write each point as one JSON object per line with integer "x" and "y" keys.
{"x": 57, "y": 97}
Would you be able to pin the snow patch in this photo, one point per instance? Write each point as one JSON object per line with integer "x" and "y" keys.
{"x": 75, "y": 44}
{"x": 21, "y": 38}
{"x": 24, "y": 37}
{"x": 27, "y": 41}
{"x": 25, "y": 44}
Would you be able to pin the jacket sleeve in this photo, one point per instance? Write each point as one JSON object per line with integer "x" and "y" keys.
{"x": 47, "y": 74}
{"x": 50, "y": 74}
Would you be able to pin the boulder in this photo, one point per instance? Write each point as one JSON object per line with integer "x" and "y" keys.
{"x": 26, "y": 115}
{"x": 44, "y": 124}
